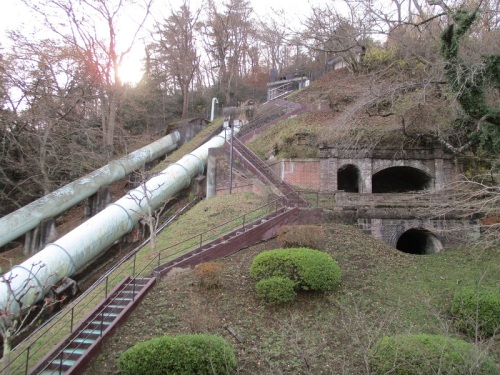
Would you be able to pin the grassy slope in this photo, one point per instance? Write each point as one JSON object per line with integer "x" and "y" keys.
{"x": 382, "y": 291}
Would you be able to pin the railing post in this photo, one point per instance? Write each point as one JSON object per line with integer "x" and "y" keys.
{"x": 243, "y": 223}
{"x": 102, "y": 321}
{"x": 201, "y": 239}
{"x": 106, "y": 288}
{"x": 317, "y": 199}
{"x": 133, "y": 267}
{"x": 60, "y": 363}
{"x": 27, "y": 359}
{"x": 72, "y": 317}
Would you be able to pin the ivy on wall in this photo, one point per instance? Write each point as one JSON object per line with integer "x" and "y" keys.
{"x": 470, "y": 81}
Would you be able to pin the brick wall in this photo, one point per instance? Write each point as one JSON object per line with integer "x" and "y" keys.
{"x": 301, "y": 173}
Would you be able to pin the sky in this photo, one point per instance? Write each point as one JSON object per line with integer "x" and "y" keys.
{"x": 15, "y": 15}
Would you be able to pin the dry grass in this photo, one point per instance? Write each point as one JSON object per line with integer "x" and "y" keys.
{"x": 383, "y": 291}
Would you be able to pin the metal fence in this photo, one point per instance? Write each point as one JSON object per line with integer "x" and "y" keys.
{"x": 137, "y": 264}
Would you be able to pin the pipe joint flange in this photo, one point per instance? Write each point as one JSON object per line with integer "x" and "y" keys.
{"x": 201, "y": 163}
{"x": 125, "y": 210}
{"x": 73, "y": 265}
{"x": 119, "y": 164}
{"x": 183, "y": 167}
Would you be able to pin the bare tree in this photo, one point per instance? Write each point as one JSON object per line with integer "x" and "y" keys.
{"x": 47, "y": 121}
{"x": 228, "y": 33}
{"x": 93, "y": 28}
{"x": 144, "y": 200}
{"x": 329, "y": 34}
{"x": 273, "y": 35}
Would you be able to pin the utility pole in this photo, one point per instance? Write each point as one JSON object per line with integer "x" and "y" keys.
{"x": 231, "y": 125}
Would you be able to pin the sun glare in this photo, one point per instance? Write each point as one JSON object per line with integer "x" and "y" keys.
{"x": 131, "y": 70}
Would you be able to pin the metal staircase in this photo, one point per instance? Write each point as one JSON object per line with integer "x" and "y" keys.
{"x": 272, "y": 112}
{"x": 246, "y": 235}
{"x": 85, "y": 340}
{"x": 266, "y": 174}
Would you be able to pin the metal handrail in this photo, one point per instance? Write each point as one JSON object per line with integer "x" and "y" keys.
{"x": 199, "y": 236}
{"x": 105, "y": 279}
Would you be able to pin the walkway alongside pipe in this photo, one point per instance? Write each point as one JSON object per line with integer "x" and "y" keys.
{"x": 77, "y": 248}
{"x": 30, "y": 216}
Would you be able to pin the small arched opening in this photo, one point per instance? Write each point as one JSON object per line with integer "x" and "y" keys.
{"x": 419, "y": 241}
{"x": 400, "y": 180}
{"x": 348, "y": 178}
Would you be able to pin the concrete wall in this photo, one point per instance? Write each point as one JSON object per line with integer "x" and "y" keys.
{"x": 218, "y": 176}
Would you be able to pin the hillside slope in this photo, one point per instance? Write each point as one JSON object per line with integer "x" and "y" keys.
{"x": 388, "y": 107}
{"x": 383, "y": 291}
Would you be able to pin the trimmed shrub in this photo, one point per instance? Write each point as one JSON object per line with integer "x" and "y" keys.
{"x": 427, "y": 354}
{"x": 309, "y": 269}
{"x": 180, "y": 355}
{"x": 477, "y": 307}
{"x": 276, "y": 290}
{"x": 208, "y": 274}
{"x": 311, "y": 236}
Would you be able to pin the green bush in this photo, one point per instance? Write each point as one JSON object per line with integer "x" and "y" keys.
{"x": 309, "y": 269}
{"x": 179, "y": 355}
{"x": 477, "y": 307}
{"x": 427, "y": 354}
{"x": 276, "y": 289}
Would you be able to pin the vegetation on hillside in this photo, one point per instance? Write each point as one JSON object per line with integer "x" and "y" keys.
{"x": 383, "y": 292}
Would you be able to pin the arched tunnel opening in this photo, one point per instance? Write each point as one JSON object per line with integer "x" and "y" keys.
{"x": 419, "y": 242}
{"x": 348, "y": 179}
{"x": 400, "y": 180}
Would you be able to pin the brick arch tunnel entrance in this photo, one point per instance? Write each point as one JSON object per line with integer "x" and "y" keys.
{"x": 348, "y": 178}
{"x": 419, "y": 241}
{"x": 400, "y": 180}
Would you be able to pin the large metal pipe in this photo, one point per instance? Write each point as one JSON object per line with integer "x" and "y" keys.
{"x": 76, "y": 249}
{"x": 30, "y": 216}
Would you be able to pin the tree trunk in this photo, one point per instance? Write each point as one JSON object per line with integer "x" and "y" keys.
{"x": 185, "y": 100}
{"x": 5, "y": 363}
{"x": 110, "y": 129}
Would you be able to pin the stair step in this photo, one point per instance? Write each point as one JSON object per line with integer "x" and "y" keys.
{"x": 83, "y": 341}
{"x": 126, "y": 299}
{"x": 75, "y": 351}
{"x": 121, "y": 307}
{"x": 65, "y": 362}
{"x": 108, "y": 315}
{"x": 92, "y": 332}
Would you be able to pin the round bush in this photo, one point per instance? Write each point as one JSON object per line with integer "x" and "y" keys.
{"x": 276, "y": 289}
{"x": 427, "y": 354}
{"x": 477, "y": 308}
{"x": 310, "y": 269}
{"x": 180, "y": 355}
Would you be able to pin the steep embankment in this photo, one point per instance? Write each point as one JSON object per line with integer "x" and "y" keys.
{"x": 392, "y": 106}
